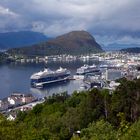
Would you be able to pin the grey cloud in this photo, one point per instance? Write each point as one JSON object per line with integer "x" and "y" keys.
{"x": 54, "y": 17}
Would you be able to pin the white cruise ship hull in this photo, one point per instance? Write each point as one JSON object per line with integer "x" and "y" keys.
{"x": 87, "y": 69}
{"x": 42, "y": 84}
{"x": 47, "y": 77}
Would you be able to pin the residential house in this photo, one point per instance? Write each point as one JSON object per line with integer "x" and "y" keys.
{"x": 28, "y": 98}
{"x": 4, "y": 104}
{"x": 14, "y": 101}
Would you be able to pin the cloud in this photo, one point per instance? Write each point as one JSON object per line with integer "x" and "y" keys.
{"x": 103, "y": 18}
{"x": 6, "y": 11}
{"x": 129, "y": 40}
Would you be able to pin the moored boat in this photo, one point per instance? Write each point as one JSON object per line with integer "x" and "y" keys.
{"x": 48, "y": 76}
{"x": 87, "y": 69}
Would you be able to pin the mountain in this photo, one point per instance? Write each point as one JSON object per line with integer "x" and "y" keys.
{"x": 116, "y": 46}
{"x": 75, "y": 42}
{"x": 132, "y": 50}
{"x": 21, "y": 38}
{"x": 2, "y": 47}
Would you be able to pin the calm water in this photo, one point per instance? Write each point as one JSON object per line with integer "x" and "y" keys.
{"x": 15, "y": 77}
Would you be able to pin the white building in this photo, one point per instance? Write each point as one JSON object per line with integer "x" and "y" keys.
{"x": 14, "y": 100}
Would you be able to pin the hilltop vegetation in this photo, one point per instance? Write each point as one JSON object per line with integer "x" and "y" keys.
{"x": 75, "y": 43}
{"x": 96, "y": 113}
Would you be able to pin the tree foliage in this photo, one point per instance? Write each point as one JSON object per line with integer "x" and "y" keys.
{"x": 96, "y": 113}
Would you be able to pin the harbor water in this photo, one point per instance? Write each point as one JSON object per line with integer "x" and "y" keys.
{"x": 15, "y": 77}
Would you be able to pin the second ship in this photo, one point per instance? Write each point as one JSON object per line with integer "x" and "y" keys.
{"x": 46, "y": 77}
{"x": 87, "y": 69}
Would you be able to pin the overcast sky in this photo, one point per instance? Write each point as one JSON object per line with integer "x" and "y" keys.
{"x": 107, "y": 20}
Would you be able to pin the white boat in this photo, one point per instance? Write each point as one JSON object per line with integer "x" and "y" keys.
{"x": 87, "y": 69}
{"x": 48, "y": 76}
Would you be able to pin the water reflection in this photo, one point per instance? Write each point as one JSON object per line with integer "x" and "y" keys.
{"x": 69, "y": 87}
{"x": 15, "y": 77}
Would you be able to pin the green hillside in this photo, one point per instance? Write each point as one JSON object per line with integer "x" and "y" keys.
{"x": 75, "y": 43}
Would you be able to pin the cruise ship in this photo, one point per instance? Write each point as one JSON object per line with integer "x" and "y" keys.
{"x": 87, "y": 69}
{"x": 48, "y": 76}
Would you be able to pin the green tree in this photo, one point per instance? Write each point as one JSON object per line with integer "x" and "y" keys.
{"x": 99, "y": 130}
